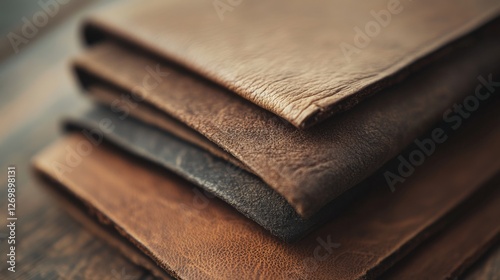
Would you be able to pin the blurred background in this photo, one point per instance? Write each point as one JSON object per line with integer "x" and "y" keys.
{"x": 38, "y": 38}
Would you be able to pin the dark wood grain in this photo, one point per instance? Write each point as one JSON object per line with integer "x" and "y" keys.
{"x": 36, "y": 90}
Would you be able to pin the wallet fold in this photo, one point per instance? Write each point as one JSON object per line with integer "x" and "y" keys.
{"x": 158, "y": 212}
{"x": 300, "y": 60}
{"x": 308, "y": 168}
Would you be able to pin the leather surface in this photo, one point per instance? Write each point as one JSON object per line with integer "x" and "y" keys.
{"x": 309, "y": 168}
{"x": 156, "y": 211}
{"x": 302, "y": 60}
{"x": 439, "y": 258}
{"x": 450, "y": 253}
{"x": 152, "y": 115}
{"x": 242, "y": 190}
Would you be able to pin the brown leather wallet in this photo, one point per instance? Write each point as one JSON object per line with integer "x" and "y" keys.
{"x": 302, "y": 60}
{"x": 158, "y": 213}
{"x": 309, "y": 168}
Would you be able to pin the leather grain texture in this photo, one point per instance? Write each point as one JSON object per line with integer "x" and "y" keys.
{"x": 309, "y": 168}
{"x": 157, "y": 212}
{"x": 438, "y": 258}
{"x": 302, "y": 60}
{"x": 153, "y": 115}
{"x": 217, "y": 177}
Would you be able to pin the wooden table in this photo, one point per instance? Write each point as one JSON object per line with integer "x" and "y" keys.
{"x": 36, "y": 91}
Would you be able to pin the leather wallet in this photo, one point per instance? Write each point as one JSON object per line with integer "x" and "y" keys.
{"x": 301, "y": 60}
{"x": 308, "y": 168}
{"x": 157, "y": 212}
{"x": 440, "y": 256}
{"x": 239, "y": 188}
{"x": 264, "y": 139}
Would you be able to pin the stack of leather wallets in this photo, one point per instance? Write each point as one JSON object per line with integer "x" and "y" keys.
{"x": 288, "y": 139}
